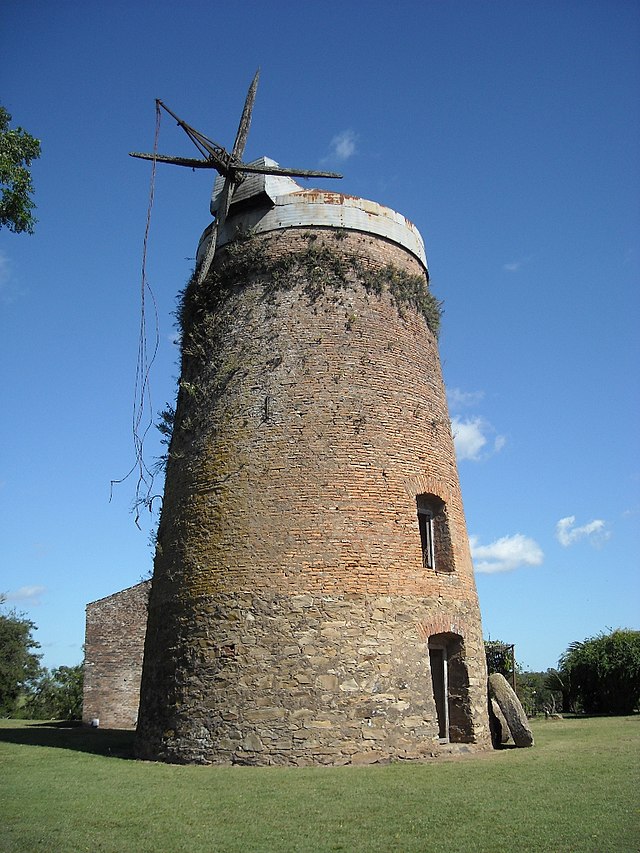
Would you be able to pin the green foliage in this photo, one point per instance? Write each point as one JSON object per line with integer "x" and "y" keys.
{"x": 499, "y": 657}
{"x": 165, "y": 427}
{"x": 602, "y": 673}
{"x": 559, "y": 683}
{"x": 19, "y": 665}
{"x": 165, "y": 424}
{"x": 318, "y": 265}
{"x": 26, "y": 688}
{"x": 56, "y": 695}
{"x": 538, "y": 693}
{"x": 411, "y": 290}
{"x": 17, "y": 151}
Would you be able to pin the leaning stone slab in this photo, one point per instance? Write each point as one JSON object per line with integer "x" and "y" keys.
{"x": 500, "y": 733}
{"x": 509, "y": 704}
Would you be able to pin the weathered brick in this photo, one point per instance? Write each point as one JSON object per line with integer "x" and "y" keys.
{"x": 114, "y": 644}
{"x": 289, "y": 582}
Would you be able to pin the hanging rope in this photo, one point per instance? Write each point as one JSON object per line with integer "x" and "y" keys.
{"x": 142, "y": 419}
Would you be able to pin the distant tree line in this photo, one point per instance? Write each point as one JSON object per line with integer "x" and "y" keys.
{"x": 29, "y": 690}
{"x": 599, "y": 675}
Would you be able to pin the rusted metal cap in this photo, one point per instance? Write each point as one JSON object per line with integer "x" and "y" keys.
{"x": 263, "y": 203}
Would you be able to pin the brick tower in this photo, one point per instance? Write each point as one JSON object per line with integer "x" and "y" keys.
{"x": 313, "y": 599}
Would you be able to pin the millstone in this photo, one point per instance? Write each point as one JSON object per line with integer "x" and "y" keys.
{"x": 505, "y": 697}
{"x": 500, "y": 733}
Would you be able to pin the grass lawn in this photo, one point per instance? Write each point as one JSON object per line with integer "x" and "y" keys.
{"x": 577, "y": 790}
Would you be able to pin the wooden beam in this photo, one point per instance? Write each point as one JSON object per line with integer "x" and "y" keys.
{"x": 191, "y": 162}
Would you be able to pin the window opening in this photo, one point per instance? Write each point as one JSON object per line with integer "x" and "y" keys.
{"x": 435, "y": 538}
{"x": 425, "y": 522}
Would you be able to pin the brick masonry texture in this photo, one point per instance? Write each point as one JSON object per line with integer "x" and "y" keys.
{"x": 114, "y": 643}
{"x": 290, "y": 613}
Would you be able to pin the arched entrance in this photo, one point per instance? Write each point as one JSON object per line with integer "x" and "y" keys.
{"x": 450, "y": 685}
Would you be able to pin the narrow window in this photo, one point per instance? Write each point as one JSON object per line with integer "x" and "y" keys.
{"x": 435, "y": 537}
{"x": 425, "y": 522}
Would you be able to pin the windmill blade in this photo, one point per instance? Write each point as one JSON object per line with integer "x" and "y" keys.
{"x": 279, "y": 170}
{"x": 231, "y": 176}
{"x": 225, "y": 201}
{"x": 191, "y": 162}
{"x": 229, "y": 165}
{"x": 208, "y": 258}
{"x": 245, "y": 121}
{"x": 221, "y": 216}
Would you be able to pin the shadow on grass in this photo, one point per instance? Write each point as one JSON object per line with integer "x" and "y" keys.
{"x": 116, "y": 743}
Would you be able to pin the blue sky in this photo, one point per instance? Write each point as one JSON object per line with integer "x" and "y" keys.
{"x": 508, "y": 132}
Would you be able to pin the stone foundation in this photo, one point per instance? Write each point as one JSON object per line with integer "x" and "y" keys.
{"x": 309, "y": 679}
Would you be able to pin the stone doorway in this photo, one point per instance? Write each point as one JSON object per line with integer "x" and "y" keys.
{"x": 450, "y": 685}
{"x": 439, "y": 679}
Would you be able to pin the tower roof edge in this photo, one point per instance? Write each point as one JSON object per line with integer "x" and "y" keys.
{"x": 265, "y": 202}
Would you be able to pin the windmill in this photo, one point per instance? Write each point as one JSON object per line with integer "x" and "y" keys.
{"x": 228, "y": 164}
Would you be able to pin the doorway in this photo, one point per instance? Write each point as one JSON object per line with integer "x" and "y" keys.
{"x": 450, "y": 685}
{"x": 439, "y": 682}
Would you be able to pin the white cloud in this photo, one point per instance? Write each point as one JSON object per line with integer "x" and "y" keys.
{"x": 343, "y": 145}
{"x": 468, "y": 437}
{"x": 515, "y": 266}
{"x": 505, "y": 554}
{"x": 459, "y": 399}
{"x": 32, "y": 594}
{"x": 499, "y": 442}
{"x": 567, "y": 534}
{"x": 471, "y": 437}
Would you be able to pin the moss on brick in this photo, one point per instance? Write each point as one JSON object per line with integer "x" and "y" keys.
{"x": 320, "y": 266}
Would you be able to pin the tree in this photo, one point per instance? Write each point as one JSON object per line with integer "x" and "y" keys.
{"x": 17, "y": 151}
{"x": 499, "y": 657}
{"x": 602, "y": 673}
{"x": 539, "y": 692}
{"x": 19, "y": 665}
{"x": 57, "y": 695}
{"x": 559, "y": 683}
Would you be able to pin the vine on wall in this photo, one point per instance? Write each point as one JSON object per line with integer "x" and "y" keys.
{"x": 319, "y": 265}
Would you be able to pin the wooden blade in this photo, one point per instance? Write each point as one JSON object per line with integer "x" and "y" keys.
{"x": 245, "y": 121}
{"x": 224, "y": 202}
{"x": 191, "y": 162}
{"x": 293, "y": 173}
{"x": 231, "y": 175}
{"x": 221, "y": 215}
{"x": 211, "y": 250}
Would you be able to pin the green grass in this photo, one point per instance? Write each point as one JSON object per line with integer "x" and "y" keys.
{"x": 77, "y": 790}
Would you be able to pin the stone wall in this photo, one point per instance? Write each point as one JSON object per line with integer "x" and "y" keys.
{"x": 291, "y": 612}
{"x": 312, "y": 679}
{"x": 114, "y": 644}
